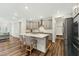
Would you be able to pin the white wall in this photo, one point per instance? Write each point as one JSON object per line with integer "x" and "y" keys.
{"x": 13, "y": 26}
{"x": 18, "y": 27}
{"x": 15, "y": 29}
{"x": 23, "y": 26}
{"x": 5, "y": 26}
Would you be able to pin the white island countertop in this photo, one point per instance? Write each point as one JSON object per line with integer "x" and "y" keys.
{"x": 38, "y": 35}
{"x": 41, "y": 40}
{"x": 44, "y": 31}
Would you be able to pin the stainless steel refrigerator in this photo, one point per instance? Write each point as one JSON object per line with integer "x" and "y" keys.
{"x": 67, "y": 33}
{"x": 75, "y": 40}
{"x": 71, "y": 36}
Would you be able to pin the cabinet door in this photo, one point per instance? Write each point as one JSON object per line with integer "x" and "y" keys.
{"x": 47, "y": 24}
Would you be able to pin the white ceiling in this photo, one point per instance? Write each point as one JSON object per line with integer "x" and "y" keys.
{"x": 35, "y": 10}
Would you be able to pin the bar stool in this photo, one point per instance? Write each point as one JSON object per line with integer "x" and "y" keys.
{"x": 23, "y": 44}
{"x": 32, "y": 45}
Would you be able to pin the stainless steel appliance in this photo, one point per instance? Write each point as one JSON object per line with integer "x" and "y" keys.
{"x": 71, "y": 36}
{"x": 75, "y": 40}
{"x": 67, "y": 36}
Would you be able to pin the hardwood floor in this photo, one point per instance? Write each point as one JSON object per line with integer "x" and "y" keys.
{"x": 12, "y": 48}
{"x": 56, "y": 49}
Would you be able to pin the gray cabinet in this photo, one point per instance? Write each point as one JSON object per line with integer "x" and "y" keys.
{"x": 47, "y": 23}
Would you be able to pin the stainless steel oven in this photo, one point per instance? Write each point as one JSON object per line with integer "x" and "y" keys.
{"x": 75, "y": 40}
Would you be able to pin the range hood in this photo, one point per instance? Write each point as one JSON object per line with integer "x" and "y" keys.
{"x": 41, "y": 27}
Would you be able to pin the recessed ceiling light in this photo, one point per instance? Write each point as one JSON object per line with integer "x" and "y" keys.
{"x": 26, "y": 7}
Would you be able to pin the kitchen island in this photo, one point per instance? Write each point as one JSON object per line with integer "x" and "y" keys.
{"x": 41, "y": 40}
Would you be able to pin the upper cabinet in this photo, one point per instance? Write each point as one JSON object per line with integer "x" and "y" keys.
{"x": 39, "y": 25}
{"x": 32, "y": 24}
{"x": 47, "y": 23}
{"x": 59, "y": 25}
{"x": 35, "y": 24}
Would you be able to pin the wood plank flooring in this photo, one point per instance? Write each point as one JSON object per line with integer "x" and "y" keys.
{"x": 12, "y": 48}
{"x": 56, "y": 49}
